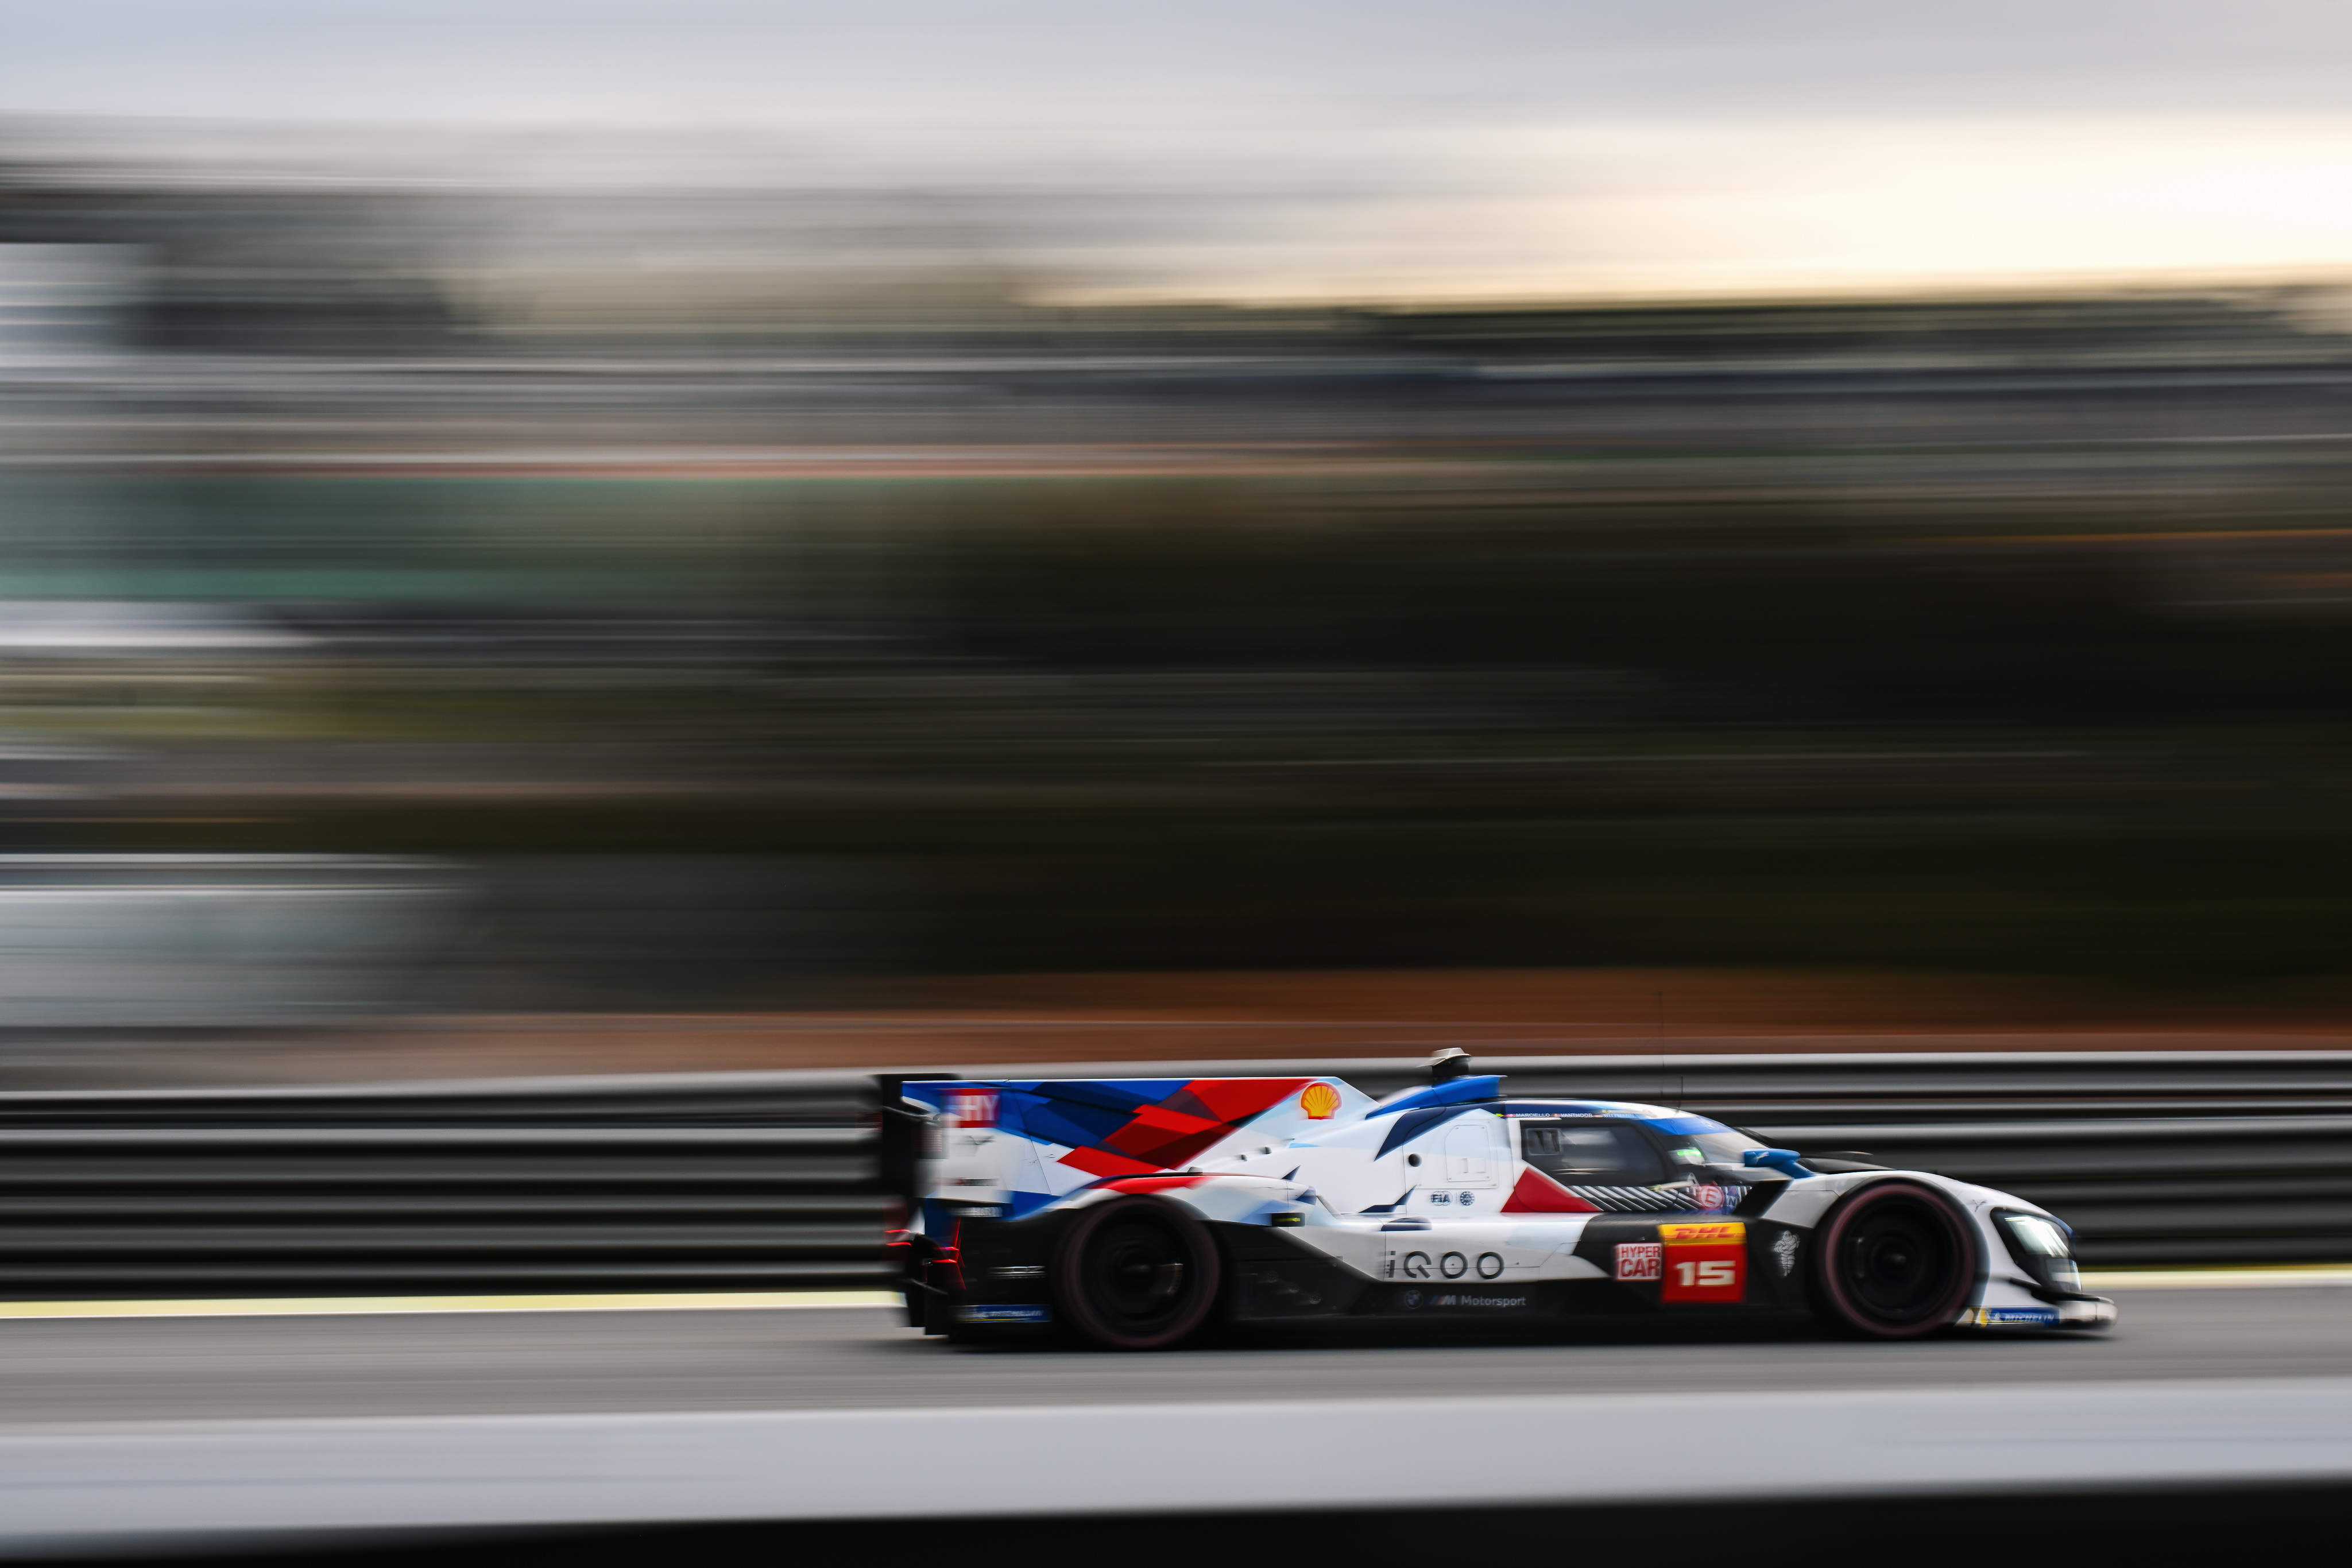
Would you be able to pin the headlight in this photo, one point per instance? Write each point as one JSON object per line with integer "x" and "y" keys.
{"x": 2042, "y": 1248}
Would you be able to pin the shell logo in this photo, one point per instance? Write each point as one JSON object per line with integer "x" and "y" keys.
{"x": 1319, "y": 1101}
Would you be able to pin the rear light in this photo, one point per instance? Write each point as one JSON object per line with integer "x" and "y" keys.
{"x": 947, "y": 1265}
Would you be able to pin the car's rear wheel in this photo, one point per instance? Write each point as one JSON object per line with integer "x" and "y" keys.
{"x": 1136, "y": 1273}
{"x": 1895, "y": 1260}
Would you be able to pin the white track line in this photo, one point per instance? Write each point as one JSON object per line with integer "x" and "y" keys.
{"x": 65, "y": 1488}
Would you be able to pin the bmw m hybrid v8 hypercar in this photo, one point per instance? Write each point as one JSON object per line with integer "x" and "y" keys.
{"x": 1135, "y": 1213}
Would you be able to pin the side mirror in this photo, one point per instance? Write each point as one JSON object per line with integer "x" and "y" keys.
{"x": 1781, "y": 1160}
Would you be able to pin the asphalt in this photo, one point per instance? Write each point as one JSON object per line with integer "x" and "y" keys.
{"x": 525, "y": 1363}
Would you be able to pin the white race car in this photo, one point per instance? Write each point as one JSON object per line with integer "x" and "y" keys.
{"x": 1136, "y": 1212}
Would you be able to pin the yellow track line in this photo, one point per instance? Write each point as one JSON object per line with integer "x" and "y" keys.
{"x": 2250, "y": 1274}
{"x": 324, "y": 1305}
{"x": 707, "y": 1300}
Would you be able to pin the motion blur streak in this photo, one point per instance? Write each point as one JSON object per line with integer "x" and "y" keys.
{"x": 653, "y": 574}
{"x": 763, "y": 506}
{"x": 312, "y": 1306}
{"x": 176, "y": 1429}
{"x": 582, "y": 536}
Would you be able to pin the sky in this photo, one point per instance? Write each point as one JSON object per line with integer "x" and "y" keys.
{"x": 1368, "y": 148}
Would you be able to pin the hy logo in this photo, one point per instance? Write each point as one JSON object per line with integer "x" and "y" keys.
{"x": 972, "y": 1107}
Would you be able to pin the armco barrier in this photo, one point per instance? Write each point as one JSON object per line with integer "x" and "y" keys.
{"x": 769, "y": 1180}
{"x": 635, "y": 1185}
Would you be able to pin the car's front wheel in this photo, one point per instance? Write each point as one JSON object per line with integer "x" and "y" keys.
{"x": 1136, "y": 1273}
{"x": 1895, "y": 1260}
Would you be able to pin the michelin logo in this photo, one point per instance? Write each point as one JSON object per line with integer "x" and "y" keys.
{"x": 2016, "y": 1318}
{"x": 1022, "y": 1313}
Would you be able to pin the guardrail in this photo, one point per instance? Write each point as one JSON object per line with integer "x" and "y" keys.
{"x": 753, "y": 1183}
{"x": 2154, "y": 1157}
{"x": 758, "y": 1181}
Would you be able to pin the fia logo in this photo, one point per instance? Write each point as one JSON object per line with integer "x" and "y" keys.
{"x": 1441, "y": 1197}
{"x": 1465, "y": 1199}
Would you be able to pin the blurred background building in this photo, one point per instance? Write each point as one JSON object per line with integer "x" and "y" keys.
{"x": 659, "y": 569}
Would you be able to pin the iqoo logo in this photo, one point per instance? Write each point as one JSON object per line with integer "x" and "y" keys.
{"x": 1319, "y": 1101}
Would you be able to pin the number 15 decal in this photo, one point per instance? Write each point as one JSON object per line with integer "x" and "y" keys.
{"x": 1705, "y": 1262}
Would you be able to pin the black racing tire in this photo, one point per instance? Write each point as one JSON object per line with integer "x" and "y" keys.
{"x": 1896, "y": 1259}
{"x": 1136, "y": 1273}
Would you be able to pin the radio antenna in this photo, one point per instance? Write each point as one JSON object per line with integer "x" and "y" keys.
{"x": 1660, "y": 997}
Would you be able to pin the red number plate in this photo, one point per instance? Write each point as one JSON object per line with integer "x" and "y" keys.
{"x": 1705, "y": 1262}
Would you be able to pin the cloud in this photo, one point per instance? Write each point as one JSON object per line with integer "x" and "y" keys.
{"x": 1369, "y": 148}
{"x": 1074, "y": 62}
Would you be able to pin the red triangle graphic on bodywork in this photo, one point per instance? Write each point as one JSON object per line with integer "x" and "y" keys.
{"x": 1231, "y": 1100}
{"x": 1103, "y": 1163}
{"x": 1538, "y": 1194}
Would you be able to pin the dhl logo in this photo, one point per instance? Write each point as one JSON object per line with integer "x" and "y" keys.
{"x": 1715, "y": 1234}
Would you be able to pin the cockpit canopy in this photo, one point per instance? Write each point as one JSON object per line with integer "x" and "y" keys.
{"x": 1600, "y": 1143}
{"x": 1597, "y": 1141}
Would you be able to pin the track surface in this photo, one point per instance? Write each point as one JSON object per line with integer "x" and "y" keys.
{"x": 129, "y": 1369}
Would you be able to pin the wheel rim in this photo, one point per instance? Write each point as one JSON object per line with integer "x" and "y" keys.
{"x": 1897, "y": 1261}
{"x": 1136, "y": 1274}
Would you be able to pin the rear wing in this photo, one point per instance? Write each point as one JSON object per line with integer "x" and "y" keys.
{"x": 902, "y": 1126}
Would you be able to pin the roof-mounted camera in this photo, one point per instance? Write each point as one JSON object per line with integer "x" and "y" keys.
{"x": 1448, "y": 1065}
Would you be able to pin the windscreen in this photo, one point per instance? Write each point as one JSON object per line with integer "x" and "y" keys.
{"x": 1697, "y": 1140}
{"x": 1589, "y": 1154}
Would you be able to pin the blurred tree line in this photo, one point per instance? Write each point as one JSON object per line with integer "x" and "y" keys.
{"x": 1441, "y": 713}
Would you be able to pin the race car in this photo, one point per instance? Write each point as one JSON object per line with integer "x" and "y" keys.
{"x": 1137, "y": 1213}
